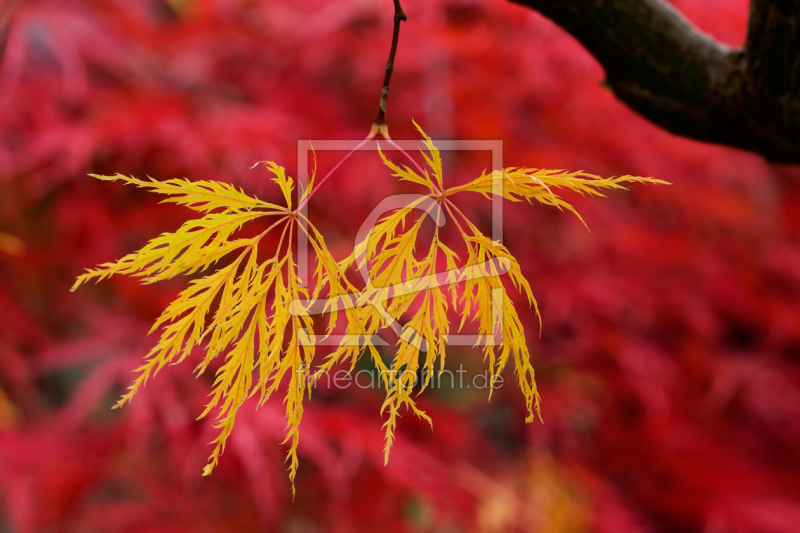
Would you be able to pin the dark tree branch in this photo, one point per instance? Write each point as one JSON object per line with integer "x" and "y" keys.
{"x": 773, "y": 70}
{"x": 657, "y": 63}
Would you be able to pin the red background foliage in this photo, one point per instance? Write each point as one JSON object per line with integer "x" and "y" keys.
{"x": 670, "y": 355}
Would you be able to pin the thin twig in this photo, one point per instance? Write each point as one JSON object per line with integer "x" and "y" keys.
{"x": 379, "y": 127}
{"x": 399, "y": 16}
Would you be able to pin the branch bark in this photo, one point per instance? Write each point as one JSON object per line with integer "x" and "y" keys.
{"x": 667, "y": 70}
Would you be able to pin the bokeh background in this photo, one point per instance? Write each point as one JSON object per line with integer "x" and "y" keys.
{"x": 669, "y": 361}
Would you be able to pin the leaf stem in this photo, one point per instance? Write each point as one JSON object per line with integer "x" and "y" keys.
{"x": 379, "y": 127}
{"x": 413, "y": 162}
{"x": 328, "y": 175}
{"x": 446, "y": 203}
{"x": 257, "y": 239}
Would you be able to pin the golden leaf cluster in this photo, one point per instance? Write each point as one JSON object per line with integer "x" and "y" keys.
{"x": 261, "y": 325}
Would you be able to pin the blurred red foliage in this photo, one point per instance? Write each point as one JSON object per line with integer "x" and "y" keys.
{"x": 669, "y": 363}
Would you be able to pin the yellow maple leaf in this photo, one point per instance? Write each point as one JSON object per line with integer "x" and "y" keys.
{"x": 262, "y": 326}
{"x": 275, "y": 339}
{"x": 398, "y": 280}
